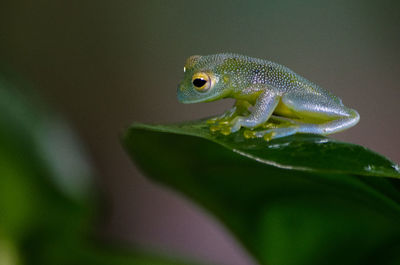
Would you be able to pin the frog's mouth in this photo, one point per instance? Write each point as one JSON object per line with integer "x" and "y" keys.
{"x": 186, "y": 100}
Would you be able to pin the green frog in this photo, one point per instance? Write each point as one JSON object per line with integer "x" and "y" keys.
{"x": 272, "y": 101}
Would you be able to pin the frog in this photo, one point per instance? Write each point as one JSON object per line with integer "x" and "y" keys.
{"x": 271, "y": 100}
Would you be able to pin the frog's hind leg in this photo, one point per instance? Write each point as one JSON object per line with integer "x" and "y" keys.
{"x": 312, "y": 114}
{"x": 328, "y": 115}
{"x": 332, "y": 126}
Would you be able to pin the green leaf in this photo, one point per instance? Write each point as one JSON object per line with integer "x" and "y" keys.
{"x": 293, "y": 152}
{"x": 304, "y": 199}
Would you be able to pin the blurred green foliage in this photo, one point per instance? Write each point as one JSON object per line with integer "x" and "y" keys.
{"x": 46, "y": 199}
{"x": 304, "y": 199}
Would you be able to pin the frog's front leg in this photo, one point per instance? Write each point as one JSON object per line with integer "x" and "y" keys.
{"x": 241, "y": 107}
{"x": 263, "y": 109}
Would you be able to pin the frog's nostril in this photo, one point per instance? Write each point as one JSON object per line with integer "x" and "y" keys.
{"x": 180, "y": 97}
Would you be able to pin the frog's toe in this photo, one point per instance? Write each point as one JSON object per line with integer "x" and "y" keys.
{"x": 249, "y": 134}
{"x": 276, "y": 132}
{"x": 211, "y": 121}
{"x": 236, "y": 123}
{"x": 225, "y": 130}
{"x": 223, "y": 122}
{"x": 219, "y": 121}
{"x": 215, "y": 128}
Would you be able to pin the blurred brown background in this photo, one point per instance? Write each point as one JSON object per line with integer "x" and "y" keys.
{"x": 104, "y": 64}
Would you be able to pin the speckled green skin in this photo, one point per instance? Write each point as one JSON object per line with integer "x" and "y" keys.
{"x": 290, "y": 103}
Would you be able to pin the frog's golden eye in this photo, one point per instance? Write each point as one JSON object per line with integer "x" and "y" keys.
{"x": 201, "y": 82}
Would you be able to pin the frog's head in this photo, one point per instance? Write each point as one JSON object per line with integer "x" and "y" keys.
{"x": 202, "y": 82}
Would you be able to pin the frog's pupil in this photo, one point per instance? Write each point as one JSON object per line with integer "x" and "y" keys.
{"x": 198, "y": 82}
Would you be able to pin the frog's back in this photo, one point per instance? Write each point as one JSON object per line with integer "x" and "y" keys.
{"x": 249, "y": 71}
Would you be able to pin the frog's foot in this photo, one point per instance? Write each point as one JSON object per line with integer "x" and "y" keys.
{"x": 228, "y": 122}
{"x": 227, "y": 126}
{"x": 272, "y": 123}
{"x": 222, "y": 127}
{"x": 273, "y": 133}
{"x": 233, "y": 125}
{"x": 220, "y": 124}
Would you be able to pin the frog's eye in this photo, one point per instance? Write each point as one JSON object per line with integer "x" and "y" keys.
{"x": 201, "y": 82}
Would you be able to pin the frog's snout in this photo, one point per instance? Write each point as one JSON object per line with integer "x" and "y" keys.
{"x": 183, "y": 95}
{"x": 179, "y": 93}
{"x": 179, "y": 97}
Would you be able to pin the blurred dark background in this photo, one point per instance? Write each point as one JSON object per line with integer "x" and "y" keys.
{"x": 104, "y": 64}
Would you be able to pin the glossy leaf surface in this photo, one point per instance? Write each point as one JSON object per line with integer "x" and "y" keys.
{"x": 304, "y": 199}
